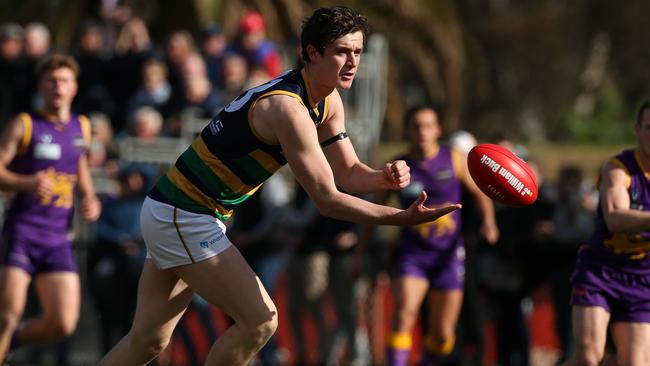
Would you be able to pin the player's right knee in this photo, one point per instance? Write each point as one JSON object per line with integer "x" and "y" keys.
{"x": 148, "y": 346}
{"x": 261, "y": 332}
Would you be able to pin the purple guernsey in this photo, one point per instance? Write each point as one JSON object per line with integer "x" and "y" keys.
{"x": 55, "y": 148}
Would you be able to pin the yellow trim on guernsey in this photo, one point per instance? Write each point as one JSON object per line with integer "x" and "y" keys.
{"x": 85, "y": 129}
{"x": 400, "y": 340}
{"x": 178, "y": 179}
{"x": 326, "y": 110}
{"x": 219, "y": 168}
{"x": 616, "y": 162}
{"x": 252, "y": 107}
{"x": 28, "y": 130}
{"x": 645, "y": 169}
{"x": 265, "y": 160}
{"x": 458, "y": 162}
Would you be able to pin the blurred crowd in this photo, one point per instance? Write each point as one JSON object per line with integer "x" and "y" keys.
{"x": 131, "y": 86}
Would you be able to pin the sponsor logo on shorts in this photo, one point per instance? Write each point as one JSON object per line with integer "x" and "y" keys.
{"x": 205, "y": 244}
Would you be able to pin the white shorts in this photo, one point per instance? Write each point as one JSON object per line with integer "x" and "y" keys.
{"x": 175, "y": 237}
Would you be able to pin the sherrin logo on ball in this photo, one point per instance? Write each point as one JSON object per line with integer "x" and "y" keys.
{"x": 502, "y": 176}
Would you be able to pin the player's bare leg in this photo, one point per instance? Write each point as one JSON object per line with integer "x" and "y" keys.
{"x": 162, "y": 300}
{"x": 444, "y": 310}
{"x": 408, "y": 293}
{"x": 590, "y": 335}
{"x": 59, "y": 294}
{"x": 229, "y": 283}
{"x": 632, "y": 340}
{"x": 13, "y": 297}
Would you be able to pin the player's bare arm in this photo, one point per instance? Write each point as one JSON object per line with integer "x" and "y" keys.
{"x": 615, "y": 202}
{"x": 489, "y": 228}
{"x": 349, "y": 173}
{"x": 9, "y": 144}
{"x": 89, "y": 204}
{"x": 291, "y": 126}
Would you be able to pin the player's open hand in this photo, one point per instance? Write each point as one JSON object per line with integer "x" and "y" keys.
{"x": 397, "y": 174}
{"x": 90, "y": 207}
{"x": 418, "y": 213}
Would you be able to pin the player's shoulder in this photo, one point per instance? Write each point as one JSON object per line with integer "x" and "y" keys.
{"x": 622, "y": 162}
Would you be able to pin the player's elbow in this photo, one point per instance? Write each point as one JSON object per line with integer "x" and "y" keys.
{"x": 326, "y": 203}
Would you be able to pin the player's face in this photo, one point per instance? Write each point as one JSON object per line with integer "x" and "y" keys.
{"x": 339, "y": 62}
{"x": 58, "y": 87}
{"x": 643, "y": 132}
{"x": 424, "y": 128}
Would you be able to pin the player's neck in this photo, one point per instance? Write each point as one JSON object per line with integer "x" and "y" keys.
{"x": 56, "y": 114}
{"x": 644, "y": 159}
{"x": 317, "y": 91}
{"x": 425, "y": 152}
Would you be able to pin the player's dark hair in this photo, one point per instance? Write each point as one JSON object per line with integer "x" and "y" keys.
{"x": 57, "y": 61}
{"x": 411, "y": 112}
{"x": 642, "y": 108}
{"x": 326, "y": 25}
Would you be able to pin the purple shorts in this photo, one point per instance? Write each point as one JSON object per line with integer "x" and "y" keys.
{"x": 445, "y": 270}
{"x": 625, "y": 295}
{"x": 37, "y": 256}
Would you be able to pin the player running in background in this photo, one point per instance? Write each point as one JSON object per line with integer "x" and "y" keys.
{"x": 430, "y": 256}
{"x": 43, "y": 163}
{"x": 611, "y": 283}
{"x": 296, "y": 118}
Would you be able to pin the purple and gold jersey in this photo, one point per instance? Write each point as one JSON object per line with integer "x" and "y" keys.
{"x": 229, "y": 160}
{"x": 439, "y": 178}
{"x": 55, "y": 148}
{"x": 628, "y": 252}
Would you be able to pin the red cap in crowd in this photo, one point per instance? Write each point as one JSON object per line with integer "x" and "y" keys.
{"x": 251, "y": 21}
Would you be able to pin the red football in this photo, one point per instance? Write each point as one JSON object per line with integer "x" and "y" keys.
{"x": 501, "y": 175}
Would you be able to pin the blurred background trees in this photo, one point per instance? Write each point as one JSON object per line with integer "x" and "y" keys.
{"x": 534, "y": 70}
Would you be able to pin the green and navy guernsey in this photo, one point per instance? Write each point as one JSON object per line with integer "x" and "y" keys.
{"x": 229, "y": 160}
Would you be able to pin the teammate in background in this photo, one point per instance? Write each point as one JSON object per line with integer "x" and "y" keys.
{"x": 611, "y": 283}
{"x": 43, "y": 160}
{"x": 430, "y": 256}
{"x": 297, "y": 118}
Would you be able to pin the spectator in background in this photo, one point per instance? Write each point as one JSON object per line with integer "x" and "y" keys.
{"x": 234, "y": 76}
{"x": 15, "y": 76}
{"x": 132, "y": 48}
{"x": 213, "y": 47}
{"x": 253, "y": 45}
{"x": 199, "y": 97}
{"x": 570, "y": 226}
{"x": 36, "y": 46}
{"x": 147, "y": 124}
{"x": 155, "y": 90}
{"x": 94, "y": 60}
{"x": 116, "y": 259}
{"x": 101, "y": 131}
{"x": 37, "y": 40}
{"x": 199, "y": 92}
{"x": 180, "y": 45}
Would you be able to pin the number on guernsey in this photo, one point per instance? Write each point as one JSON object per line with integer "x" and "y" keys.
{"x": 241, "y": 101}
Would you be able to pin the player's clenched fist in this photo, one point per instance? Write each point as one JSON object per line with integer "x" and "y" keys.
{"x": 397, "y": 174}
